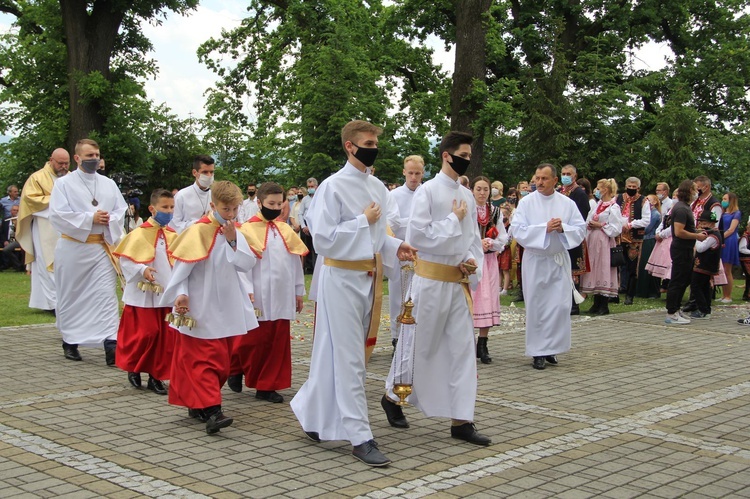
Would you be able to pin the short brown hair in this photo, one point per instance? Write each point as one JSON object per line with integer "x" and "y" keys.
{"x": 226, "y": 192}
{"x": 158, "y": 194}
{"x": 351, "y": 129}
{"x": 268, "y": 188}
{"x": 202, "y": 159}
{"x": 454, "y": 140}
{"x": 85, "y": 142}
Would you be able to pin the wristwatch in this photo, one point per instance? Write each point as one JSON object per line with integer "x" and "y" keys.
{"x": 232, "y": 244}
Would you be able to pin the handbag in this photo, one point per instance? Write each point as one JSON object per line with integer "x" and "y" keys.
{"x": 616, "y": 256}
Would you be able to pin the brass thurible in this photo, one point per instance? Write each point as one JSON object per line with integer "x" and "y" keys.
{"x": 179, "y": 320}
{"x": 150, "y": 286}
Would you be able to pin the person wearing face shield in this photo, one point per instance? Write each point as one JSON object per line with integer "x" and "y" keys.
{"x": 87, "y": 209}
{"x": 35, "y": 234}
{"x": 194, "y": 201}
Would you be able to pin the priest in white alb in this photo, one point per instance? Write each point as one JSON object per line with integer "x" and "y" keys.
{"x": 547, "y": 224}
{"x": 194, "y": 201}
{"x": 87, "y": 209}
{"x": 34, "y": 232}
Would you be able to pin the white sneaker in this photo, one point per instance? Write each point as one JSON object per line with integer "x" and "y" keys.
{"x": 676, "y": 318}
{"x": 503, "y": 292}
{"x": 725, "y": 300}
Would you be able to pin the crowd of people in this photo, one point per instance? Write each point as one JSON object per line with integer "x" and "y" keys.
{"x": 212, "y": 279}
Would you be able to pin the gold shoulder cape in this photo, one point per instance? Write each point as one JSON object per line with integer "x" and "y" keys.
{"x": 35, "y": 198}
{"x": 256, "y": 231}
{"x": 140, "y": 245}
{"x": 196, "y": 243}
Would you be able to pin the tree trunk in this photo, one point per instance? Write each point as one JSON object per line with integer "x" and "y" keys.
{"x": 470, "y": 65}
{"x": 90, "y": 39}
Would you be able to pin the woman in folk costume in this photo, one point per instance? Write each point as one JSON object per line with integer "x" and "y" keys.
{"x": 660, "y": 262}
{"x": 276, "y": 285}
{"x": 145, "y": 341}
{"x": 494, "y": 236}
{"x": 604, "y": 224}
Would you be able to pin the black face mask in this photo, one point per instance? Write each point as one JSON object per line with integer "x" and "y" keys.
{"x": 269, "y": 214}
{"x": 631, "y": 192}
{"x": 366, "y": 155}
{"x": 700, "y": 192}
{"x": 251, "y": 193}
{"x": 459, "y": 165}
{"x": 512, "y": 200}
{"x": 300, "y": 196}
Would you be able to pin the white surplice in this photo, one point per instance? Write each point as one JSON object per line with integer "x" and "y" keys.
{"x": 219, "y": 300}
{"x": 190, "y": 204}
{"x": 399, "y": 200}
{"x": 275, "y": 280}
{"x": 133, "y": 274}
{"x": 85, "y": 280}
{"x": 332, "y": 401}
{"x": 547, "y": 282}
{"x": 445, "y": 371}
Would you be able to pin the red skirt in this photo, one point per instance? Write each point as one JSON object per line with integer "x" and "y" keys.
{"x": 199, "y": 370}
{"x": 503, "y": 259}
{"x": 145, "y": 341}
{"x": 264, "y": 356}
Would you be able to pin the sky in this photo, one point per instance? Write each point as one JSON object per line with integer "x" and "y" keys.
{"x": 182, "y": 80}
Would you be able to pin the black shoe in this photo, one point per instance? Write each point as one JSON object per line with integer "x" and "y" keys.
{"x": 575, "y": 309}
{"x": 690, "y": 307}
{"x": 217, "y": 421}
{"x": 538, "y": 363}
{"x": 597, "y": 305}
{"x": 394, "y": 413}
{"x": 71, "y": 352}
{"x": 109, "y": 356}
{"x": 156, "y": 386}
{"x": 369, "y": 454}
{"x": 269, "y": 395}
{"x": 313, "y": 435}
{"x": 135, "y": 379}
{"x": 551, "y": 359}
{"x": 482, "y": 353}
{"x": 234, "y": 382}
{"x": 468, "y": 433}
{"x": 198, "y": 414}
{"x": 604, "y": 308}
{"x": 614, "y": 299}
{"x": 628, "y": 300}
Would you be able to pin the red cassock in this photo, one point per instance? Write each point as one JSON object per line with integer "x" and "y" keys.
{"x": 264, "y": 356}
{"x": 145, "y": 341}
{"x": 200, "y": 367}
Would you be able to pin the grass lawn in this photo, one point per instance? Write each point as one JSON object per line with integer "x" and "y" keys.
{"x": 16, "y": 286}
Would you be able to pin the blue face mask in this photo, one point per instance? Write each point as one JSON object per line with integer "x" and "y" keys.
{"x": 597, "y": 194}
{"x": 163, "y": 218}
{"x": 218, "y": 218}
{"x": 311, "y": 191}
{"x": 725, "y": 204}
{"x": 566, "y": 180}
{"x": 524, "y": 193}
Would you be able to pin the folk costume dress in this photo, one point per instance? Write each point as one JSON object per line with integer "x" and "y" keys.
{"x": 145, "y": 341}
{"x": 486, "y": 297}
{"x": 332, "y": 401}
{"x": 85, "y": 268}
{"x": 660, "y": 262}
{"x": 602, "y": 278}
{"x": 401, "y": 198}
{"x": 207, "y": 270}
{"x": 547, "y": 283}
{"x": 190, "y": 205}
{"x": 37, "y": 237}
{"x": 264, "y": 355}
{"x": 445, "y": 370}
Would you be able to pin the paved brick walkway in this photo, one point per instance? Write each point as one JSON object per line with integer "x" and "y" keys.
{"x": 637, "y": 408}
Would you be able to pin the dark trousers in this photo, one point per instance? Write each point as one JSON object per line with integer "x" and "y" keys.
{"x": 308, "y": 263}
{"x": 682, "y": 273}
{"x": 700, "y": 285}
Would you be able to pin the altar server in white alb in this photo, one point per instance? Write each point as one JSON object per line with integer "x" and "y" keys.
{"x": 398, "y": 219}
{"x": 194, "y": 201}
{"x": 87, "y": 209}
{"x": 35, "y": 233}
{"x": 450, "y": 260}
{"x": 547, "y": 224}
{"x": 209, "y": 257}
{"x": 348, "y": 232}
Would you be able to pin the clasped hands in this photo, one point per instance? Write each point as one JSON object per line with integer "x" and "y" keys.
{"x": 554, "y": 225}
